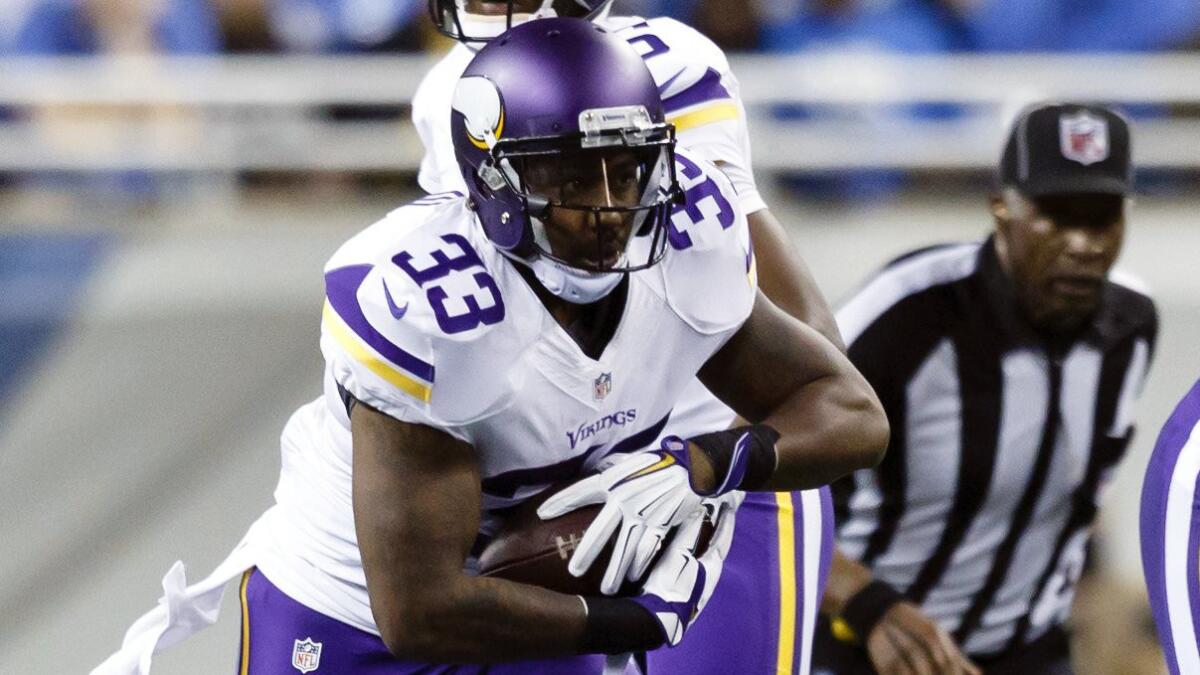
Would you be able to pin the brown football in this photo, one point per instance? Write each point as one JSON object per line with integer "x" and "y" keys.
{"x": 533, "y": 551}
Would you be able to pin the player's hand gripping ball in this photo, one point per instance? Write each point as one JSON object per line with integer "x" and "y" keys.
{"x": 683, "y": 579}
{"x": 644, "y": 495}
{"x": 533, "y": 551}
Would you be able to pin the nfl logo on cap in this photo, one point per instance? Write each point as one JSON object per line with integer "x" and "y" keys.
{"x": 306, "y": 655}
{"x": 1083, "y": 137}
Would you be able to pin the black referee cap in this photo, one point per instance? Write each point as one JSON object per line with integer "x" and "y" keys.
{"x": 1065, "y": 147}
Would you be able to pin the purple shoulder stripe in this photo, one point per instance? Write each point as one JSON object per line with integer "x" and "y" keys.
{"x": 708, "y": 88}
{"x": 341, "y": 288}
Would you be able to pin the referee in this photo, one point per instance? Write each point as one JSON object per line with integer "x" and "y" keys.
{"x": 1009, "y": 370}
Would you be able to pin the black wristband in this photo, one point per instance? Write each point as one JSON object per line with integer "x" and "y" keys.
{"x": 866, "y": 608}
{"x": 756, "y": 466}
{"x": 617, "y": 626}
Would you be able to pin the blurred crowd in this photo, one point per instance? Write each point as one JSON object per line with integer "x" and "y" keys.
{"x": 337, "y": 26}
{"x": 204, "y": 27}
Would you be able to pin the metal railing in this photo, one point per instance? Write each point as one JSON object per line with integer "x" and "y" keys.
{"x": 246, "y": 113}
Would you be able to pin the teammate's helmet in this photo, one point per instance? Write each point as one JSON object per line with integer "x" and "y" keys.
{"x": 565, "y": 91}
{"x": 455, "y": 18}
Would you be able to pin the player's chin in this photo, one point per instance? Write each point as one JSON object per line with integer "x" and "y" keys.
{"x": 597, "y": 261}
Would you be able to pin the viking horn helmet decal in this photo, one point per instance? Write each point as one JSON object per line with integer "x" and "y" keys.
{"x": 478, "y": 100}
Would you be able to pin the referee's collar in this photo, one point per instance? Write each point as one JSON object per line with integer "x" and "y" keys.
{"x": 1104, "y": 329}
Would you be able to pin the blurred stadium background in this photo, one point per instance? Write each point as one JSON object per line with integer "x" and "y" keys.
{"x": 173, "y": 173}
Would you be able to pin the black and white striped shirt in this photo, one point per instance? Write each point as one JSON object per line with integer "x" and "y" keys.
{"x": 982, "y": 508}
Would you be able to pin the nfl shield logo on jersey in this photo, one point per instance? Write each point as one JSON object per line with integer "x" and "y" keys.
{"x": 1084, "y": 137}
{"x": 306, "y": 655}
{"x": 602, "y": 386}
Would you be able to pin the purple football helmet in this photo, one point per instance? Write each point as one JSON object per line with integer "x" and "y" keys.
{"x": 564, "y": 90}
{"x": 453, "y": 18}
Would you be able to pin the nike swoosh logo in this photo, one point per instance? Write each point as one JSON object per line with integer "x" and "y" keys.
{"x": 397, "y": 312}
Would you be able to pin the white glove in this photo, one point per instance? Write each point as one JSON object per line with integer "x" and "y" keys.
{"x": 680, "y": 584}
{"x": 645, "y": 495}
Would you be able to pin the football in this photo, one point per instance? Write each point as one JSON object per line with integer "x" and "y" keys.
{"x": 533, "y": 551}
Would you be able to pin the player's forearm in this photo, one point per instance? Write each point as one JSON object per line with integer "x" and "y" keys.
{"x": 784, "y": 277}
{"x": 482, "y": 620}
{"x": 815, "y": 414}
{"x": 825, "y": 430}
{"x": 490, "y": 620}
{"x": 828, "y": 428}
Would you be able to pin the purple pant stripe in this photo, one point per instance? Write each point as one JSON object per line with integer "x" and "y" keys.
{"x": 827, "y": 537}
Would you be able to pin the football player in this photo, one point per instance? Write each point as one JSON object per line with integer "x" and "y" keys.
{"x": 481, "y": 347}
{"x": 701, "y": 98}
{"x": 1170, "y": 530}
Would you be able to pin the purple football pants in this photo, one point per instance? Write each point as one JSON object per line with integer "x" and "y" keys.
{"x": 1170, "y": 532}
{"x": 758, "y": 620}
{"x": 280, "y": 636}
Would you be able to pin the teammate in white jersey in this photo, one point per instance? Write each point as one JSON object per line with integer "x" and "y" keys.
{"x": 701, "y": 98}
{"x": 480, "y": 349}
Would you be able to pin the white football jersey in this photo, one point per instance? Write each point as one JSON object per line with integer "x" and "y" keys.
{"x": 700, "y": 94}
{"x": 426, "y": 321}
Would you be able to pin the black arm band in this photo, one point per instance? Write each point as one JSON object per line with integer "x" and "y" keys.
{"x": 617, "y": 626}
{"x": 866, "y": 608}
{"x": 756, "y": 461}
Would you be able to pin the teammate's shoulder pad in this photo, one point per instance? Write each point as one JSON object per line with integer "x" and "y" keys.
{"x": 679, "y": 57}
{"x": 709, "y": 274}
{"x": 687, "y": 43}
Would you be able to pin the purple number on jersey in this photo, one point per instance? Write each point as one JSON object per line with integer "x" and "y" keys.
{"x": 654, "y": 45}
{"x": 702, "y": 188}
{"x": 476, "y": 314}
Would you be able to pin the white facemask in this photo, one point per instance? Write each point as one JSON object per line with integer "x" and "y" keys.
{"x": 485, "y": 27}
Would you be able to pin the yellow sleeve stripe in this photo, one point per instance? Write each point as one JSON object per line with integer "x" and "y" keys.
{"x": 718, "y": 112}
{"x": 752, "y": 275}
{"x": 343, "y": 336}
{"x": 786, "y": 655}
